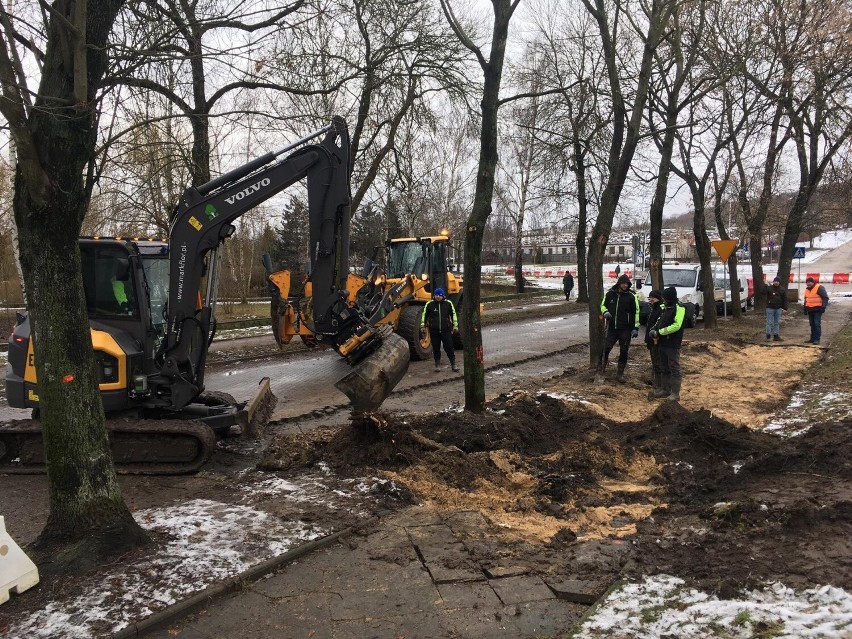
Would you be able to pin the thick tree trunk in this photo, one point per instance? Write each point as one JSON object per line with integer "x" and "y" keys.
{"x": 88, "y": 518}
{"x": 474, "y": 363}
{"x": 597, "y": 246}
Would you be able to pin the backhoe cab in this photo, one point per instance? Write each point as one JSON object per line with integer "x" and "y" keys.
{"x": 392, "y": 296}
{"x": 152, "y": 311}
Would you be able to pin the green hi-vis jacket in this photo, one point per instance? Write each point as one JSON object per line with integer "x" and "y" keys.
{"x": 624, "y": 308}
{"x": 670, "y": 325}
{"x": 438, "y": 316}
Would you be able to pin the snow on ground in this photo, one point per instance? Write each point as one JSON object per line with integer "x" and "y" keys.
{"x": 206, "y": 542}
{"x": 661, "y": 606}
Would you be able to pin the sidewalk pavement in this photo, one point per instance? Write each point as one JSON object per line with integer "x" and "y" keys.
{"x": 412, "y": 576}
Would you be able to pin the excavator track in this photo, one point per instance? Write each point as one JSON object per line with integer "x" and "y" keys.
{"x": 163, "y": 447}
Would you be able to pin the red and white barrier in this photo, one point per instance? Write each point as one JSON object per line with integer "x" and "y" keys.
{"x": 823, "y": 278}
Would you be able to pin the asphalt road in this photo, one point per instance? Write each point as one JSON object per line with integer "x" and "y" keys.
{"x": 305, "y": 384}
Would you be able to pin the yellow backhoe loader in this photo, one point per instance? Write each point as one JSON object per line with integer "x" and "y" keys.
{"x": 393, "y": 296}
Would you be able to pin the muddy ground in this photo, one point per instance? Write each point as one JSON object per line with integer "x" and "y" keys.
{"x": 568, "y": 491}
{"x": 586, "y": 481}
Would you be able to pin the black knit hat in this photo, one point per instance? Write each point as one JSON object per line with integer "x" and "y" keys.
{"x": 622, "y": 279}
{"x": 655, "y": 294}
{"x": 670, "y": 294}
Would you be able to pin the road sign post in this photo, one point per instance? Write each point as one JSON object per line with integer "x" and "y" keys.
{"x": 724, "y": 248}
{"x": 798, "y": 254}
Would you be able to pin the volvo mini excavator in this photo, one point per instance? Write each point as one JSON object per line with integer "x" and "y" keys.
{"x": 151, "y": 328}
{"x": 393, "y": 296}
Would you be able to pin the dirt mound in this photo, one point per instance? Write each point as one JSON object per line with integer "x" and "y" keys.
{"x": 547, "y": 473}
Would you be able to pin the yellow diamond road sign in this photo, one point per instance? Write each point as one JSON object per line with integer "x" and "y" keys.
{"x": 724, "y": 248}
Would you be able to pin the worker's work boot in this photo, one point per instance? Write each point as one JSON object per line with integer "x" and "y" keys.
{"x": 599, "y": 376}
{"x": 620, "y": 375}
{"x": 656, "y": 385}
{"x": 674, "y": 396}
{"x": 664, "y": 388}
{"x": 437, "y": 366}
{"x": 455, "y": 367}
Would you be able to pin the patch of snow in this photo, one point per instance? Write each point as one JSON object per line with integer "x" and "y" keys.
{"x": 207, "y": 541}
{"x": 661, "y": 606}
{"x": 569, "y": 397}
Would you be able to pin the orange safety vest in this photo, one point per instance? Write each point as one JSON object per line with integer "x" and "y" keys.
{"x": 812, "y": 298}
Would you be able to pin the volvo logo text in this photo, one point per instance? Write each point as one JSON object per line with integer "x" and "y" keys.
{"x": 254, "y": 188}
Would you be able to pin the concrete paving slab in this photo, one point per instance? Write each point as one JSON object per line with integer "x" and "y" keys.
{"x": 478, "y": 594}
{"x": 405, "y": 627}
{"x": 576, "y": 590}
{"x": 515, "y": 590}
{"x": 547, "y": 618}
{"x": 488, "y": 624}
{"x": 378, "y": 604}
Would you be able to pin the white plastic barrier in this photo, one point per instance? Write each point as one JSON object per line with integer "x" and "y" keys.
{"x": 17, "y": 571}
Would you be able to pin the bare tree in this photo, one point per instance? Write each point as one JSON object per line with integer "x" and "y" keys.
{"x": 811, "y": 40}
{"x": 54, "y": 129}
{"x": 676, "y": 59}
{"x": 626, "y": 132}
{"x": 575, "y": 125}
{"x": 492, "y": 70}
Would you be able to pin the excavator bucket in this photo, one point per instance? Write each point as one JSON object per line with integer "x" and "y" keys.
{"x": 372, "y": 380}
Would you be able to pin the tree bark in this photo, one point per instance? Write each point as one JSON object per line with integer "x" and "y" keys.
{"x": 88, "y": 518}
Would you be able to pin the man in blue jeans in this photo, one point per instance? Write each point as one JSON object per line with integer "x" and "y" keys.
{"x": 776, "y": 304}
{"x": 816, "y": 301}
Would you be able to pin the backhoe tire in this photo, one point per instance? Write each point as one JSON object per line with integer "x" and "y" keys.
{"x": 409, "y": 330}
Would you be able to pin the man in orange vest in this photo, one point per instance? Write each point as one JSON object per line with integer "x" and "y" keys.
{"x": 816, "y": 301}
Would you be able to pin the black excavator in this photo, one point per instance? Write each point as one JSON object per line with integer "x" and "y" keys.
{"x": 151, "y": 326}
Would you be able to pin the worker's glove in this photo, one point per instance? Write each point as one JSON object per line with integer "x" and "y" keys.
{"x": 123, "y": 308}
{"x": 635, "y": 333}
{"x": 654, "y": 334}
{"x": 422, "y": 332}
{"x": 607, "y": 316}
{"x": 455, "y": 331}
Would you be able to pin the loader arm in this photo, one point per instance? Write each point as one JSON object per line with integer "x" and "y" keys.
{"x": 202, "y": 222}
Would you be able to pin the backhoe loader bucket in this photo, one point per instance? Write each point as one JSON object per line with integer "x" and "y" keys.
{"x": 372, "y": 380}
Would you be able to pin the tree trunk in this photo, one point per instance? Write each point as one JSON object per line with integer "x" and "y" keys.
{"x": 88, "y": 518}
{"x": 520, "y": 284}
{"x": 704, "y": 250}
{"x": 583, "y": 209}
{"x": 659, "y": 200}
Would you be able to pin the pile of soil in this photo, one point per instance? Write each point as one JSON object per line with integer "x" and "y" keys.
{"x": 566, "y": 490}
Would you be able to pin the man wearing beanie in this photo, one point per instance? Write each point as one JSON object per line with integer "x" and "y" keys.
{"x": 776, "y": 303}
{"x": 655, "y": 299}
{"x": 439, "y": 316}
{"x": 620, "y": 311}
{"x": 668, "y": 330}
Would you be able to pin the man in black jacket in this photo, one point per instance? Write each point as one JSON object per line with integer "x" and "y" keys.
{"x": 655, "y": 299}
{"x": 776, "y": 303}
{"x": 668, "y": 330}
{"x": 620, "y": 311}
{"x": 439, "y": 316}
{"x": 567, "y": 284}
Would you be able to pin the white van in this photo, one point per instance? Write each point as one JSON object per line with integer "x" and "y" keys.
{"x": 686, "y": 280}
{"x": 722, "y": 279}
